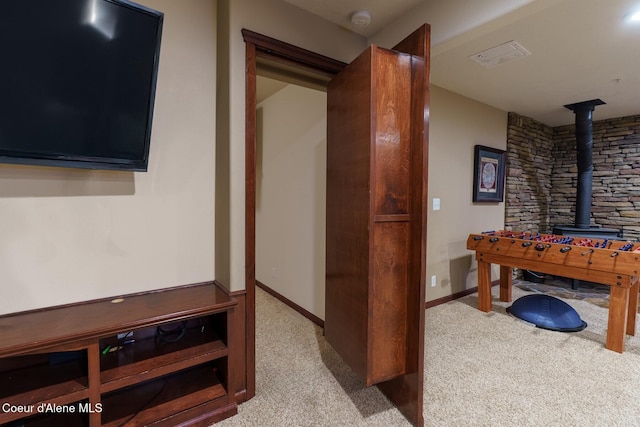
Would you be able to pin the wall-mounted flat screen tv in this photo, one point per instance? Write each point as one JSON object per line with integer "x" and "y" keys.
{"x": 77, "y": 82}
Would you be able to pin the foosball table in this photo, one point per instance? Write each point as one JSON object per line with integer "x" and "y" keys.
{"x": 609, "y": 262}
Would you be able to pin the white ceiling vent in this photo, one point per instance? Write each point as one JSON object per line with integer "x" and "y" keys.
{"x": 505, "y": 52}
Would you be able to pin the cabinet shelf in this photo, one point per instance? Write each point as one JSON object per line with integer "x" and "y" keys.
{"x": 148, "y": 358}
{"x": 56, "y": 420}
{"x": 149, "y": 402}
{"x": 58, "y": 383}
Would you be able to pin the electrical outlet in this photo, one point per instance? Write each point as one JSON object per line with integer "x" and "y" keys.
{"x": 433, "y": 281}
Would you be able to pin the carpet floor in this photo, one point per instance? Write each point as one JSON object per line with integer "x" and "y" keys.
{"x": 481, "y": 369}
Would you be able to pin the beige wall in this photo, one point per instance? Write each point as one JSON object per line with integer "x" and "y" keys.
{"x": 456, "y": 125}
{"x": 282, "y": 21}
{"x": 291, "y": 194}
{"x": 70, "y": 235}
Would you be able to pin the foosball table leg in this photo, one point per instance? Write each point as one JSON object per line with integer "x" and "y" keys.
{"x": 506, "y": 279}
{"x": 484, "y": 286}
{"x": 618, "y": 312}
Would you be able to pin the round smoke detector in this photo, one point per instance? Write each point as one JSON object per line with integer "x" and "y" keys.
{"x": 361, "y": 18}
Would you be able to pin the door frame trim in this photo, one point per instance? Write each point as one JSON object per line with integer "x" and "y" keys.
{"x": 261, "y": 46}
{"x": 286, "y": 53}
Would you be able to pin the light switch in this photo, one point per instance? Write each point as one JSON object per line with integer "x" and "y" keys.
{"x": 436, "y": 204}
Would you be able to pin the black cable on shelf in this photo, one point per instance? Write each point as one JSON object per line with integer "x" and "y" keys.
{"x": 172, "y": 335}
{"x": 146, "y": 404}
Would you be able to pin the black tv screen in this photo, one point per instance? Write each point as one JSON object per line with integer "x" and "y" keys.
{"x": 77, "y": 82}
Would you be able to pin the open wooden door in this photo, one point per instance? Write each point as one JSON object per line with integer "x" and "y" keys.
{"x": 377, "y": 146}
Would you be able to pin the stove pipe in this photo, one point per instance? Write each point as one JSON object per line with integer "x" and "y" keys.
{"x": 584, "y": 150}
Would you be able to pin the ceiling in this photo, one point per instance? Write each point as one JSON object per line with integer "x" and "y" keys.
{"x": 580, "y": 49}
{"x": 339, "y": 12}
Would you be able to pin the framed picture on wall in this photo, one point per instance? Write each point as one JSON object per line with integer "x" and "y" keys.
{"x": 488, "y": 174}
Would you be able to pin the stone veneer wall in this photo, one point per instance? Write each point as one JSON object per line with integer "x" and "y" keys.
{"x": 529, "y": 168}
{"x": 542, "y": 175}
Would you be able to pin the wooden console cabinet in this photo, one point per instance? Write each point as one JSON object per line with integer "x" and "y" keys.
{"x": 155, "y": 358}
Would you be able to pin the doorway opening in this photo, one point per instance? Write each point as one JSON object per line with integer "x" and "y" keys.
{"x": 300, "y": 63}
{"x": 291, "y": 190}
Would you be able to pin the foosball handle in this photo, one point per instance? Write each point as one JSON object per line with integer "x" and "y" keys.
{"x": 565, "y": 249}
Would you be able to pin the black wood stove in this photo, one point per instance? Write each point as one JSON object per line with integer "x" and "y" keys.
{"x": 584, "y": 148}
